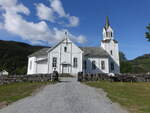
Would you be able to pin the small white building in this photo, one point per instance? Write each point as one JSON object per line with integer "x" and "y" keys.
{"x": 67, "y": 57}
{"x": 4, "y": 72}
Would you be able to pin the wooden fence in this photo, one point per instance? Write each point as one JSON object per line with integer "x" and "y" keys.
{"x": 115, "y": 78}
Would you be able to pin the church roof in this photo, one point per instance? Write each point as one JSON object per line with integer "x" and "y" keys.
{"x": 88, "y": 51}
{"x": 41, "y": 52}
{"x": 94, "y": 52}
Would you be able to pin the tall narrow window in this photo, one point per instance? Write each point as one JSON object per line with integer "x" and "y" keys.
{"x": 111, "y": 52}
{"x": 112, "y": 66}
{"x": 30, "y": 65}
{"x": 84, "y": 64}
{"x": 111, "y": 34}
{"x": 54, "y": 63}
{"x": 103, "y": 65}
{"x": 93, "y": 65}
{"x": 65, "y": 49}
{"x": 75, "y": 62}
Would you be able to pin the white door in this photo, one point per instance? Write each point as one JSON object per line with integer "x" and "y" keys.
{"x": 65, "y": 69}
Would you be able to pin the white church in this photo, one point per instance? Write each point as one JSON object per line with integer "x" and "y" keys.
{"x": 67, "y": 57}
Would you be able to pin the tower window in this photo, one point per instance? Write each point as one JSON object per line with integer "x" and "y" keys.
{"x": 93, "y": 65}
{"x": 102, "y": 65}
{"x": 112, "y": 66}
{"x": 111, "y": 34}
{"x": 54, "y": 63}
{"x": 107, "y": 34}
{"x": 111, "y": 52}
{"x": 65, "y": 49}
{"x": 75, "y": 62}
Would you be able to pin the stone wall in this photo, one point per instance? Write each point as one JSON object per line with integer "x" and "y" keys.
{"x": 25, "y": 78}
{"x": 115, "y": 78}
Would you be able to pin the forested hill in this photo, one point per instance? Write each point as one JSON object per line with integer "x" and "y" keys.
{"x": 13, "y": 56}
{"x": 140, "y": 64}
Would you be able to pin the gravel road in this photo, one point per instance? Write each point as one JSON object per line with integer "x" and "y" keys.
{"x": 68, "y": 96}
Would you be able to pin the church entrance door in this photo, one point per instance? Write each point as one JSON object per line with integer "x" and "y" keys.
{"x": 65, "y": 68}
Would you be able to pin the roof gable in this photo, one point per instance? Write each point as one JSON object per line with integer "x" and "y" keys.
{"x": 66, "y": 40}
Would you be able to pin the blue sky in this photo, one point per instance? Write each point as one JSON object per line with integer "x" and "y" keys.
{"x": 83, "y": 19}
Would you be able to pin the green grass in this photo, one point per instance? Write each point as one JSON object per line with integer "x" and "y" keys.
{"x": 15, "y": 91}
{"x": 134, "y": 96}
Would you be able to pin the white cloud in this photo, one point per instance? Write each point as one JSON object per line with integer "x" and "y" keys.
{"x": 44, "y": 12}
{"x": 34, "y": 32}
{"x": 74, "y": 21}
{"x": 13, "y": 7}
{"x": 56, "y": 7}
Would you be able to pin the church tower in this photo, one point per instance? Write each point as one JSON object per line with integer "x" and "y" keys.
{"x": 110, "y": 45}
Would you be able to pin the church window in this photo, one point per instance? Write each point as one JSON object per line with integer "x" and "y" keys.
{"x": 75, "y": 62}
{"x": 111, "y": 52}
{"x": 30, "y": 65}
{"x": 54, "y": 64}
{"x": 85, "y": 64}
{"x": 93, "y": 65}
{"x": 111, "y": 34}
{"x": 112, "y": 66}
{"x": 102, "y": 65}
{"x": 65, "y": 49}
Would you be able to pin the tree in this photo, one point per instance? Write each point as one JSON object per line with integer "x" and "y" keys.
{"x": 122, "y": 57}
{"x": 125, "y": 67}
{"x": 147, "y": 34}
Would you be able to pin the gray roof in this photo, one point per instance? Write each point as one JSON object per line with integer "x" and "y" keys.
{"x": 42, "y": 60}
{"x": 88, "y": 51}
{"x": 41, "y": 52}
{"x": 94, "y": 52}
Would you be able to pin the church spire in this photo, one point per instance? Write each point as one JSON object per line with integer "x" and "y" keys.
{"x": 107, "y": 31}
{"x": 107, "y": 22}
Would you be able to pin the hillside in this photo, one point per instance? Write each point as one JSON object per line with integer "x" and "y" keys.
{"x": 140, "y": 64}
{"x": 13, "y": 56}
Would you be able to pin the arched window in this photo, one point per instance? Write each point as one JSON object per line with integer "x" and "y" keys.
{"x": 112, "y": 66}
{"x": 54, "y": 63}
{"x": 111, "y": 52}
{"x": 65, "y": 49}
{"x": 93, "y": 65}
{"x": 75, "y": 62}
{"x": 111, "y": 34}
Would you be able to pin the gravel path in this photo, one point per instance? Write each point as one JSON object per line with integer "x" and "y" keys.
{"x": 69, "y": 96}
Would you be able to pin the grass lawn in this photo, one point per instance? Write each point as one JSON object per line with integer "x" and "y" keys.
{"x": 15, "y": 91}
{"x": 134, "y": 96}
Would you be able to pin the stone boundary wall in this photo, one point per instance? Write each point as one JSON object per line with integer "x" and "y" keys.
{"x": 116, "y": 78}
{"x": 25, "y": 78}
